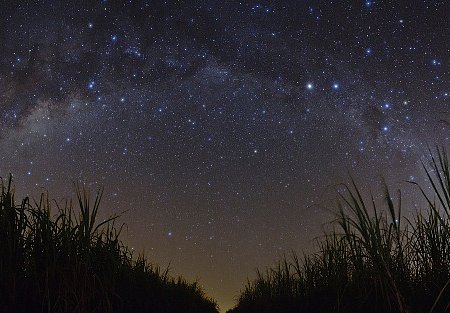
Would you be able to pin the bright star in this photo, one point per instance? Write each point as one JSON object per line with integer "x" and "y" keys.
{"x": 436, "y": 62}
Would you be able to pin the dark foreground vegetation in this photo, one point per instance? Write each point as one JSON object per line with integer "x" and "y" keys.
{"x": 375, "y": 260}
{"x": 60, "y": 259}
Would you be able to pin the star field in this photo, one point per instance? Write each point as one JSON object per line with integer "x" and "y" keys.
{"x": 222, "y": 128}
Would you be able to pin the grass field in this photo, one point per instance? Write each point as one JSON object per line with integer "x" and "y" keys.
{"x": 61, "y": 259}
{"x": 374, "y": 260}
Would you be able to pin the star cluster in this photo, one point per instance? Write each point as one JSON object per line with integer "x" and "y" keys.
{"x": 222, "y": 127}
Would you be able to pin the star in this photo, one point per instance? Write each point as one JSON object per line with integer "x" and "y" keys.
{"x": 435, "y": 62}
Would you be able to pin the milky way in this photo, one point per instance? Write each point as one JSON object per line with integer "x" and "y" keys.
{"x": 222, "y": 128}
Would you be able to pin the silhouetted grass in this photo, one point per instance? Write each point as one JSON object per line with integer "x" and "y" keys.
{"x": 61, "y": 259}
{"x": 374, "y": 260}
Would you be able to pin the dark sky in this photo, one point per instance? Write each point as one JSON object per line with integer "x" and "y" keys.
{"x": 223, "y": 127}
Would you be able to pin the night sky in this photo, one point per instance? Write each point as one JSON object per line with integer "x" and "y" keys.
{"x": 222, "y": 128}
